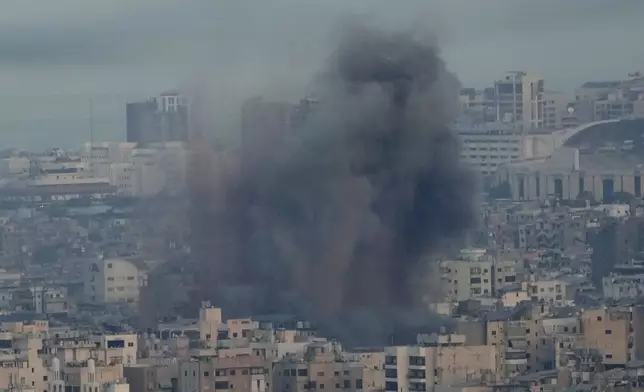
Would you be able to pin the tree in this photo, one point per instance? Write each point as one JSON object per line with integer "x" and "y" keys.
{"x": 623, "y": 197}
{"x": 501, "y": 191}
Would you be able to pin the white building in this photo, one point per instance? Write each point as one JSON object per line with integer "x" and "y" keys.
{"x": 567, "y": 174}
{"x": 112, "y": 281}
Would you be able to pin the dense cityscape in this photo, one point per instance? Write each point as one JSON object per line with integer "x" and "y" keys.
{"x": 292, "y": 196}
{"x": 99, "y": 291}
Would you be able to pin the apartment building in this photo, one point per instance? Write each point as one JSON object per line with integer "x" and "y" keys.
{"x": 112, "y": 281}
{"x": 415, "y": 368}
{"x": 321, "y": 368}
{"x": 519, "y": 99}
{"x": 558, "y": 292}
{"x": 208, "y": 372}
{"x": 85, "y": 375}
{"x": 615, "y": 332}
{"x": 486, "y": 146}
{"x": 477, "y": 274}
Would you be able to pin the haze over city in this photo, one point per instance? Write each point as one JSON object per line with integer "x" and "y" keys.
{"x": 55, "y": 56}
{"x": 321, "y": 196}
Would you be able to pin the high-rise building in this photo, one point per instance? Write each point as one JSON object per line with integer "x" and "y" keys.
{"x": 519, "y": 99}
{"x": 165, "y": 118}
{"x": 263, "y": 124}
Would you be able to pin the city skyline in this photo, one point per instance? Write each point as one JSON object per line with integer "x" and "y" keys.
{"x": 58, "y": 61}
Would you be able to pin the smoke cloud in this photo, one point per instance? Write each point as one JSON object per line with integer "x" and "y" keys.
{"x": 338, "y": 220}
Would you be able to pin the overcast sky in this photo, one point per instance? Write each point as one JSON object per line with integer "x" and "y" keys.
{"x": 54, "y": 55}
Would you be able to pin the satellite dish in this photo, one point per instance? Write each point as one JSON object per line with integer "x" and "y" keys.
{"x": 571, "y": 109}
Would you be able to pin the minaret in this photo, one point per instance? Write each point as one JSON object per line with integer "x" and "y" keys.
{"x": 91, "y": 385}
{"x": 56, "y": 383}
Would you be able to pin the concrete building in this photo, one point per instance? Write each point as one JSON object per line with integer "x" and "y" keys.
{"x": 142, "y": 377}
{"x": 89, "y": 376}
{"x": 485, "y": 146}
{"x": 112, "y": 281}
{"x": 567, "y": 174}
{"x": 205, "y": 373}
{"x": 208, "y": 323}
{"x": 555, "y": 106}
{"x": 608, "y": 331}
{"x": 557, "y": 292}
{"x": 415, "y": 368}
{"x": 125, "y": 343}
{"x": 165, "y": 118}
{"x": 519, "y": 99}
{"x": 321, "y": 367}
{"x": 477, "y": 274}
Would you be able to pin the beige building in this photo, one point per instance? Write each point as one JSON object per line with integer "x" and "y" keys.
{"x": 415, "y": 368}
{"x": 85, "y": 376}
{"x": 477, "y": 274}
{"x": 567, "y": 174}
{"x": 126, "y": 343}
{"x": 21, "y": 367}
{"x": 321, "y": 368}
{"x": 208, "y": 324}
{"x": 239, "y": 373}
{"x": 112, "y": 281}
{"x": 615, "y": 332}
{"x": 519, "y": 99}
{"x": 558, "y": 292}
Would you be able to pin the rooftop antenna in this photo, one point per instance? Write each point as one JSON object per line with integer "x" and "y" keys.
{"x": 91, "y": 136}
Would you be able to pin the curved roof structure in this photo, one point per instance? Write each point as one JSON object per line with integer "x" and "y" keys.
{"x": 609, "y": 135}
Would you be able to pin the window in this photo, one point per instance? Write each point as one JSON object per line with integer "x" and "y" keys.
{"x": 347, "y": 384}
{"x": 391, "y": 373}
{"x": 302, "y": 372}
{"x": 321, "y": 374}
{"x": 608, "y": 332}
{"x": 221, "y": 384}
{"x": 609, "y": 356}
{"x": 475, "y": 280}
{"x": 599, "y": 318}
{"x": 417, "y": 361}
{"x": 359, "y": 383}
{"x": 493, "y": 333}
{"x": 130, "y": 344}
{"x": 389, "y": 386}
{"x": 206, "y": 374}
{"x": 109, "y": 265}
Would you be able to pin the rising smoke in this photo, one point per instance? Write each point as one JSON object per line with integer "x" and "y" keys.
{"x": 338, "y": 222}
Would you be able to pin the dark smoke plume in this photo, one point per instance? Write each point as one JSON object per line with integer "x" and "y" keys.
{"x": 337, "y": 221}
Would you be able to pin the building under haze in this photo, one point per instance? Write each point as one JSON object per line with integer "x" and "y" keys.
{"x": 519, "y": 98}
{"x": 165, "y": 118}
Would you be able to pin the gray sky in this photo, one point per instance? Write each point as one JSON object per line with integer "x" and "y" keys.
{"x": 55, "y": 55}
